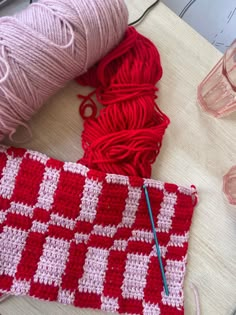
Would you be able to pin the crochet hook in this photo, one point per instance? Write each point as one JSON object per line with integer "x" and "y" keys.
{"x": 156, "y": 240}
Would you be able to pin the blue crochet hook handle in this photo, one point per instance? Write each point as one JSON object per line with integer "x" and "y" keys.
{"x": 156, "y": 240}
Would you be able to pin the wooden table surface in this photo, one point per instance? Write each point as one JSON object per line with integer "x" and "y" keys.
{"x": 197, "y": 149}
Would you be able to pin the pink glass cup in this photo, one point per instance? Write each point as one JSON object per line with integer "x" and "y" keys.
{"x": 229, "y": 185}
{"x": 217, "y": 92}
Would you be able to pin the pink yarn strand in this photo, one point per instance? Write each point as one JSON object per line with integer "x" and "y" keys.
{"x": 196, "y": 298}
{"x": 64, "y": 22}
{"x": 6, "y": 64}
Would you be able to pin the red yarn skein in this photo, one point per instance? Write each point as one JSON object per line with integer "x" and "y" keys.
{"x": 127, "y": 135}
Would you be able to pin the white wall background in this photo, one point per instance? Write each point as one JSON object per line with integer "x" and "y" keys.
{"x": 214, "y": 19}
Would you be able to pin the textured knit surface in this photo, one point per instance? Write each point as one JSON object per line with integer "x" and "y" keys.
{"x": 81, "y": 237}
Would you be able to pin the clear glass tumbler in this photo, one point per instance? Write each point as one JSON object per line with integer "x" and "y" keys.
{"x": 217, "y": 92}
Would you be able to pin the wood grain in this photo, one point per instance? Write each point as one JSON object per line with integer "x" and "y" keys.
{"x": 197, "y": 149}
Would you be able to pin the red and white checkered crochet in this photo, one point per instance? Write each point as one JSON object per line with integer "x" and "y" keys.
{"x": 81, "y": 237}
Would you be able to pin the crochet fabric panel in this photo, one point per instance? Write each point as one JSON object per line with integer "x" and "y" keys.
{"x": 84, "y": 238}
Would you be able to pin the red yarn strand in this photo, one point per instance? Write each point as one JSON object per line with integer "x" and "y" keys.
{"x": 126, "y": 136}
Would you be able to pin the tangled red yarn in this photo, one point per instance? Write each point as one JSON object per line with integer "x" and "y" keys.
{"x": 127, "y": 135}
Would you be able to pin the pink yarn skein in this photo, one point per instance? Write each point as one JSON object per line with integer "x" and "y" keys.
{"x": 48, "y": 44}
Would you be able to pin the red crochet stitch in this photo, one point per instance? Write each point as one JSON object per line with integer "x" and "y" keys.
{"x": 83, "y": 237}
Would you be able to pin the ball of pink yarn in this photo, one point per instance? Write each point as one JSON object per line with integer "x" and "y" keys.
{"x": 48, "y": 44}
